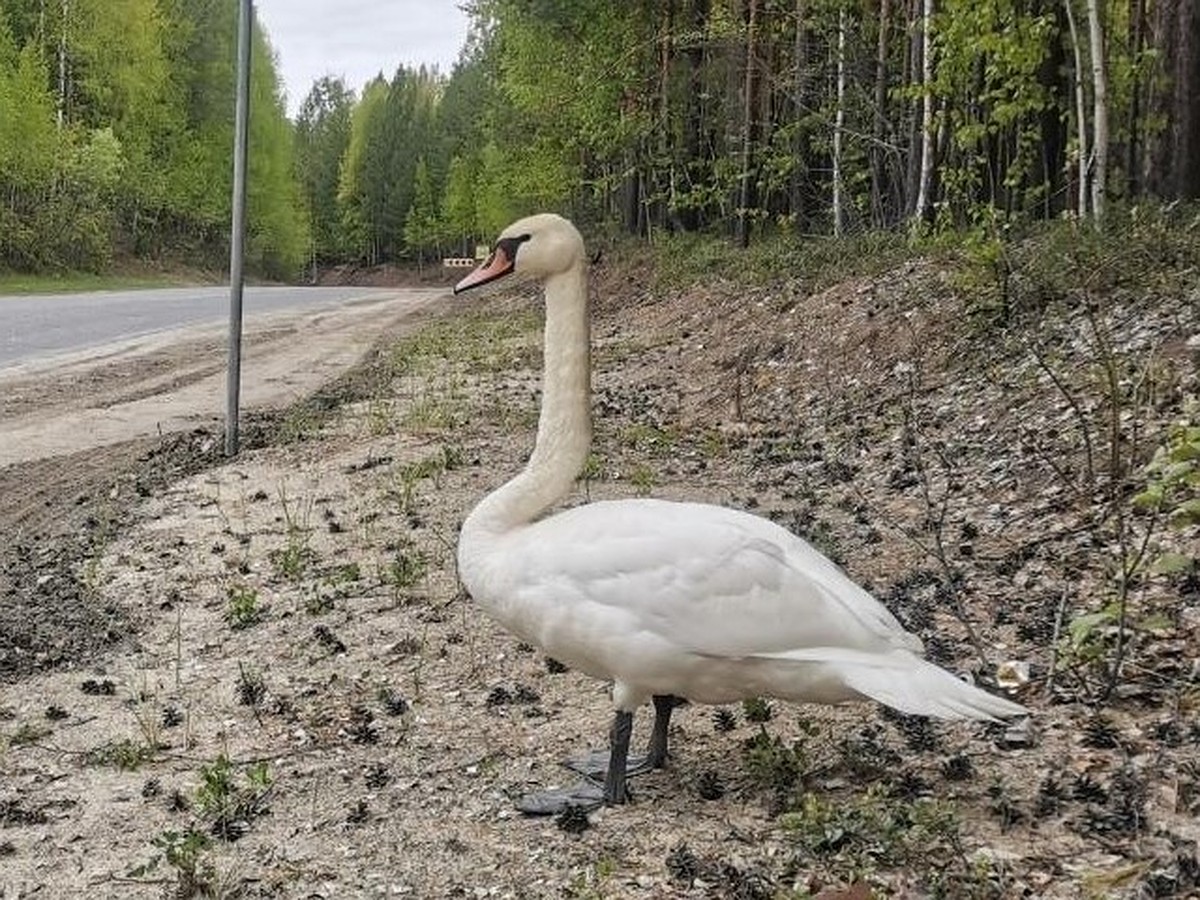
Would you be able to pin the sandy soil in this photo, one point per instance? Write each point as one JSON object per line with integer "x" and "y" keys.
{"x": 280, "y": 690}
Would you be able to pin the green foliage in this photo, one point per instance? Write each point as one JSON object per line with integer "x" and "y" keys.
{"x": 773, "y": 764}
{"x": 686, "y": 259}
{"x": 407, "y": 568}
{"x": 422, "y": 227}
{"x": 1173, "y": 475}
{"x": 124, "y": 754}
{"x": 1173, "y": 488}
{"x": 989, "y": 73}
{"x": 185, "y": 853}
{"x": 1017, "y": 274}
{"x": 230, "y": 800}
{"x": 876, "y": 831}
{"x": 243, "y": 607}
{"x": 132, "y": 150}
{"x": 640, "y": 116}
{"x": 458, "y": 205}
{"x": 322, "y": 136}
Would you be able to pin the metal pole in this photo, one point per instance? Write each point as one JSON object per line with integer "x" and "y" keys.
{"x": 238, "y": 231}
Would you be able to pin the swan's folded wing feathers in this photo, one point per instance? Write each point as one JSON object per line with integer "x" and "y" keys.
{"x": 713, "y": 581}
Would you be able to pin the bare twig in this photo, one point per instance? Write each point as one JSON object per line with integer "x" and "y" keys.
{"x": 1058, "y": 622}
{"x": 937, "y": 520}
{"x": 1081, "y": 418}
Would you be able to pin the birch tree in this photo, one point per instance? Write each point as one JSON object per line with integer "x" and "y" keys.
{"x": 1099, "y": 111}
{"x": 1081, "y": 129}
{"x": 925, "y": 179}
{"x": 839, "y": 123}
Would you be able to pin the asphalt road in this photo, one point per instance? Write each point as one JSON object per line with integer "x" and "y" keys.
{"x": 35, "y": 326}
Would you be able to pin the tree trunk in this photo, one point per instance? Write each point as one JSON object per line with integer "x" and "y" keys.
{"x": 1187, "y": 98}
{"x": 912, "y": 112}
{"x": 1173, "y": 167}
{"x": 1080, "y": 114}
{"x": 800, "y": 81}
{"x": 664, "y": 211}
{"x": 693, "y": 165}
{"x": 749, "y": 99}
{"x": 925, "y": 181}
{"x": 1099, "y": 111}
{"x": 839, "y": 123}
{"x": 1137, "y": 38}
{"x": 879, "y": 210}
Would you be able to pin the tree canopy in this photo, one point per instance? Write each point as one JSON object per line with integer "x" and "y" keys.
{"x": 731, "y": 116}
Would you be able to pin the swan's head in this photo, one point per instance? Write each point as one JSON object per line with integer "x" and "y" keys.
{"x": 539, "y": 246}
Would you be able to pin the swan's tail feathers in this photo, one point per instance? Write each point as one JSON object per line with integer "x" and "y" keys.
{"x": 904, "y": 681}
{"x": 912, "y": 685}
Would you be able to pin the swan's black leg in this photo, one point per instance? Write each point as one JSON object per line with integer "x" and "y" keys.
{"x": 588, "y": 794}
{"x": 618, "y": 755}
{"x": 656, "y": 752}
{"x": 595, "y": 763}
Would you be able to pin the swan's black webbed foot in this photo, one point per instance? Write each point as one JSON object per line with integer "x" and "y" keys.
{"x": 586, "y": 795}
{"x": 594, "y": 764}
{"x": 589, "y": 794}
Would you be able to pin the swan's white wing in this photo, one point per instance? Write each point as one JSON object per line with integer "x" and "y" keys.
{"x": 709, "y": 580}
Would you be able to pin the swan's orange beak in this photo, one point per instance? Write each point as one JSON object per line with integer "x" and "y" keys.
{"x": 495, "y": 266}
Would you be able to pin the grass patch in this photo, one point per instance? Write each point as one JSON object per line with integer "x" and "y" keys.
{"x": 230, "y": 803}
{"x": 243, "y": 608}
{"x": 125, "y": 754}
{"x": 1149, "y": 251}
{"x": 79, "y": 282}
{"x": 816, "y": 261}
{"x": 481, "y": 342}
{"x": 406, "y": 569}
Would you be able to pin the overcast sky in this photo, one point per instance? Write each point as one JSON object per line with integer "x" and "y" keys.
{"x": 358, "y": 39}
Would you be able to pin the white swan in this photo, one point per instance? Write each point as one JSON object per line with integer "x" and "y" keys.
{"x": 668, "y": 599}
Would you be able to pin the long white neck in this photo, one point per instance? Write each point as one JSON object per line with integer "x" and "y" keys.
{"x": 564, "y": 434}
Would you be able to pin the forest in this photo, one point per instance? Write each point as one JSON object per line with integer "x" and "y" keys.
{"x": 737, "y": 118}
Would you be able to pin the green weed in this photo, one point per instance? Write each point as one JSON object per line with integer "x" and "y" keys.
{"x": 243, "y": 608}
{"x": 125, "y": 754}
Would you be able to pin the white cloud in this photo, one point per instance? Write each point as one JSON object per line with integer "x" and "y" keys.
{"x": 358, "y": 39}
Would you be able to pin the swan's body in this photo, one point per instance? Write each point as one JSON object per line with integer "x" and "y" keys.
{"x": 663, "y": 598}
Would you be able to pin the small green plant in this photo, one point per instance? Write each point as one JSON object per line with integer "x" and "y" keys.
{"x": 406, "y": 569}
{"x": 756, "y": 709}
{"x": 291, "y": 561}
{"x": 381, "y": 416}
{"x": 650, "y": 439}
{"x": 338, "y": 582}
{"x": 643, "y": 478}
{"x": 1173, "y": 488}
{"x": 184, "y": 851}
{"x": 438, "y": 409}
{"x": 593, "y": 470}
{"x": 873, "y": 831}
{"x": 408, "y": 478}
{"x": 772, "y": 764}
{"x": 228, "y": 802}
{"x": 125, "y": 754}
{"x": 28, "y": 733}
{"x": 243, "y": 607}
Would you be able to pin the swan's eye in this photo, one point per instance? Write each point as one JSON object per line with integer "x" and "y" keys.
{"x": 510, "y": 245}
